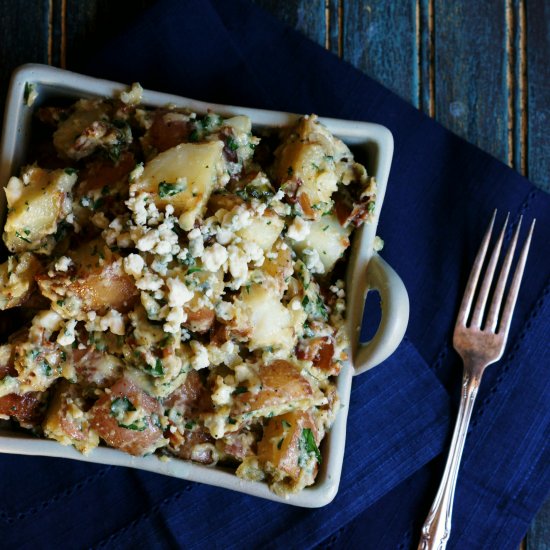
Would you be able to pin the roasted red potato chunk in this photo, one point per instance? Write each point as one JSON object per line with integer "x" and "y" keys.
{"x": 67, "y": 420}
{"x": 127, "y": 418}
{"x": 27, "y": 409}
{"x": 281, "y": 383}
{"x": 288, "y": 442}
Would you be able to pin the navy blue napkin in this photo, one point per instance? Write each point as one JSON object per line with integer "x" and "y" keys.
{"x": 440, "y": 196}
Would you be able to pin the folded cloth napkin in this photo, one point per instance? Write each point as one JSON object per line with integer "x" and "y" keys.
{"x": 440, "y": 196}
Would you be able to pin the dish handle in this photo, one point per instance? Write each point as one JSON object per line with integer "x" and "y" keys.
{"x": 395, "y": 315}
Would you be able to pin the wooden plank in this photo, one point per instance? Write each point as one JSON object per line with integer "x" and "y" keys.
{"x": 538, "y": 94}
{"x": 380, "y": 39}
{"x": 335, "y": 22}
{"x": 538, "y": 536}
{"x": 24, "y": 36}
{"x": 306, "y": 16}
{"x": 90, "y": 23}
{"x": 471, "y": 86}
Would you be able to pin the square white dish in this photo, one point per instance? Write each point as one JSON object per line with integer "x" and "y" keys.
{"x": 365, "y": 270}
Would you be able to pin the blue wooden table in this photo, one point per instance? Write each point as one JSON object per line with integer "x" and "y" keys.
{"x": 481, "y": 68}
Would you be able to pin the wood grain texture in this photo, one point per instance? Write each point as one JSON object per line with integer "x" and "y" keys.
{"x": 538, "y": 536}
{"x": 380, "y": 39}
{"x": 538, "y": 92}
{"x": 24, "y": 37}
{"x": 471, "y": 87}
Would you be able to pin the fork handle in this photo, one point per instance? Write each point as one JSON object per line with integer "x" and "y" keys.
{"x": 437, "y": 527}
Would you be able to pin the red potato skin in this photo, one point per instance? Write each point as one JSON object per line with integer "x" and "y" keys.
{"x": 130, "y": 441}
{"x": 281, "y": 383}
{"x": 320, "y": 351}
{"x": 86, "y": 362}
{"x": 164, "y": 135}
{"x": 27, "y": 409}
{"x": 59, "y": 406}
{"x": 285, "y": 456}
{"x": 191, "y": 398}
{"x": 102, "y": 172}
{"x": 233, "y": 446}
{"x": 184, "y": 449}
{"x": 200, "y": 321}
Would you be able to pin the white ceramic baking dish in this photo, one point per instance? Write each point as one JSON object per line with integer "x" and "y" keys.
{"x": 366, "y": 270}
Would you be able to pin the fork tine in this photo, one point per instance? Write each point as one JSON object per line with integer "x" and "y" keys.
{"x": 468, "y": 297}
{"x": 510, "y": 303}
{"x": 479, "y": 308}
{"x": 492, "y": 317}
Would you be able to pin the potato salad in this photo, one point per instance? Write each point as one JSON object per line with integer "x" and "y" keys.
{"x": 174, "y": 285}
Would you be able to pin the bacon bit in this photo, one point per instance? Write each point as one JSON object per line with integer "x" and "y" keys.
{"x": 342, "y": 212}
{"x": 320, "y": 351}
{"x": 8, "y": 369}
{"x": 200, "y": 321}
{"x": 290, "y": 189}
{"x": 164, "y": 135}
{"x": 219, "y": 334}
{"x": 191, "y": 397}
{"x": 306, "y": 206}
{"x": 52, "y": 116}
{"x": 359, "y": 214}
{"x": 186, "y": 448}
{"x": 104, "y": 173}
{"x": 225, "y": 135}
{"x": 237, "y": 446}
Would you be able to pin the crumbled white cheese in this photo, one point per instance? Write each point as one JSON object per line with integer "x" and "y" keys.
{"x": 200, "y": 358}
{"x": 238, "y": 266}
{"x": 49, "y": 320}
{"x": 149, "y": 281}
{"x": 135, "y": 174}
{"x": 174, "y": 320}
{"x": 113, "y": 321}
{"x": 214, "y": 257}
{"x": 133, "y": 265}
{"x": 222, "y": 392}
{"x": 148, "y": 241}
{"x": 63, "y": 263}
{"x": 225, "y": 311}
{"x": 196, "y": 244}
{"x": 254, "y": 253}
{"x": 295, "y": 304}
{"x": 338, "y": 289}
{"x": 299, "y": 229}
{"x": 163, "y": 248}
{"x": 132, "y": 96}
{"x": 178, "y": 294}
{"x": 313, "y": 261}
{"x": 66, "y": 335}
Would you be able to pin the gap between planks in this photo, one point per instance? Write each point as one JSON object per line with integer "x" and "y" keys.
{"x": 340, "y": 23}
{"x": 516, "y": 83}
{"x": 425, "y": 55}
{"x": 57, "y": 35}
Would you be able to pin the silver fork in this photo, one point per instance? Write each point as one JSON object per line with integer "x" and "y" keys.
{"x": 479, "y": 342}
